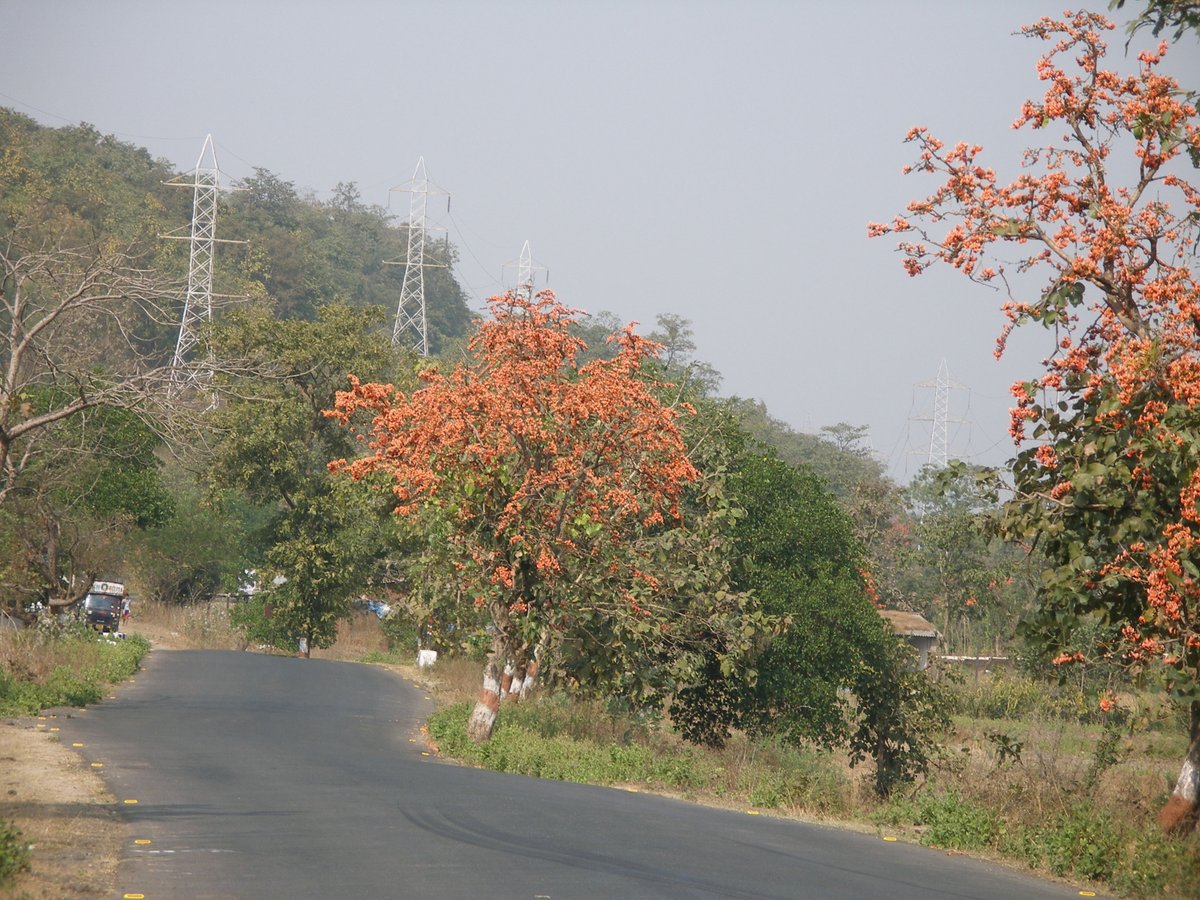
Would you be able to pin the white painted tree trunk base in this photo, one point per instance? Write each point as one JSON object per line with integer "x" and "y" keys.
{"x": 483, "y": 716}
{"x": 1183, "y": 807}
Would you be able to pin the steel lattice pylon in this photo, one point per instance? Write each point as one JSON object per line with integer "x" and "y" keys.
{"x": 938, "y": 441}
{"x": 525, "y": 273}
{"x": 411, "y": 328}
{"x": 939, "y": 437}
{"x": 197, "y": 305}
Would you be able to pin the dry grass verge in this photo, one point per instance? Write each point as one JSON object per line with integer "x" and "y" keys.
{"x": 63, "y": 809}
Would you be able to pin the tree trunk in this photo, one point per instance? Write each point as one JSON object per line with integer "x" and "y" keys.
{"x": 531, "y": 672}
{"x": 483, "y": 717}
{"x": 514, "y": 681}
{"x": 506, "y": 681}
{"x": 1180, "y": 813}
{"x": 528, "y": 673}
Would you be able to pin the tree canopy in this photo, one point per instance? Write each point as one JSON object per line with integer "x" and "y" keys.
{"x": 1108, "y": 470}
{"x": 557, "y": 489}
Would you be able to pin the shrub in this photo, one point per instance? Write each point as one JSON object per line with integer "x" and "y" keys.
{"x": 957, "y": 824}
{"x": 1000, "y": 697}
{"x": 14, "y": 853}
{"x": 47, "y": 670}
{"x": 1083, "y": 842}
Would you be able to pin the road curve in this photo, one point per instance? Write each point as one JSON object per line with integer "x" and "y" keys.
{"x": 262, "y": 777}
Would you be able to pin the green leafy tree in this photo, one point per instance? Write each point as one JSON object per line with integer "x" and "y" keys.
{"x": 322, "y": 538}
{"x": 833, "y": 673}
{"x": 304, "y": 253}
{"x": 1163, "y": 15}
{"x": 557, "y": 489}
{"x": 957, "y": 571}
{"x": 199, "y": 552}
{"x": 96, "y": 480}
{"x": 1108, "y": 474}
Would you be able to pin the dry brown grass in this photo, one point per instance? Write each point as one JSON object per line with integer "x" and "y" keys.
{"x": 200, "y": 626}
{"x": 1060, "y": 764}
{"x": 454, "y": 679}
{"x": 63, "y": 809}
{"x": 358, "y": 635}
{"x": 196, "y": 626}
{"x": 23, "y": 656}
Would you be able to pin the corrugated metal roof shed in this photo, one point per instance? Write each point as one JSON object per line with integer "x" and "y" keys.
{"x": 909, "y": 623}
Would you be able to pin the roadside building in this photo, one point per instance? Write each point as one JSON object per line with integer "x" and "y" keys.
{"x": 916, "y": 629}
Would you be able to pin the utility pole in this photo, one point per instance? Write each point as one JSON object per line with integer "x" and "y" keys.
{"x": 411, "y": 328}
{"x": 202, "y": 238}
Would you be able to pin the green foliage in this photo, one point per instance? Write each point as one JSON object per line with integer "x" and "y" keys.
{"x": 1003, "y": 696}
{"x": 88, "y": 482}
{"x": 1163, "y": 15}
{"x": 402, "y": 630}
{"x": 956, "y": 571}
{"x": 1106, "y": 754}
{"x": 589, "y": 743}
{"x": 86, "y": 665}
{"x": 1014, "y": 696}
{"x": 201, "y": 551}
{"x": 956, "y": 824}
{"x": 1087, "y": 842}
{"x": 902, "y": 717}
{"x": 323, "y": 536}
{"x": 15, "y": 853}
{"x": 834, "y": 674}
{"x": 255, "y": 619}
{"x": 325, "y": 547}
{"x": 1005, "y": 747}
{"x": 1152, "y": 867}
{"x": 794, "y": 551}
{"x": 305, "y": 254}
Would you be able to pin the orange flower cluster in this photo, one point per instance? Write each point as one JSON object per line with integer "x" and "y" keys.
{"x": 538, "y": 462}
{"x": 1122, "y": 298}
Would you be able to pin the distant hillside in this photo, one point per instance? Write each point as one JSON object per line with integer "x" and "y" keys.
{"x": 301, "y": 252}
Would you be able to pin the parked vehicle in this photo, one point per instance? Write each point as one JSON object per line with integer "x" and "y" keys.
{"x": 105, "y": 605}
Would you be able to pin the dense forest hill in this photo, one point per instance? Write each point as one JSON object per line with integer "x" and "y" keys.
{"x": 301, "y": 256}
{"x": 299, "y": 252}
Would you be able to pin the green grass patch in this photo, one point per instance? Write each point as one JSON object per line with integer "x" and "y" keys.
{"x": 43, "y": 671}
{"x": 553, "y": 738}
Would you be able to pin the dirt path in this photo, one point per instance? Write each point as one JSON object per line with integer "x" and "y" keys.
{"x": 63, "y": 810}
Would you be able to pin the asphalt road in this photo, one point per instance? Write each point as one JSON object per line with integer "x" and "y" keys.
{"x": 263, "y": 777}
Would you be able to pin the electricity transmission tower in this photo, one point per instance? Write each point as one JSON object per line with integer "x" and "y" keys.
{"x": 939, "y": 435}
{"x": 411, "y": 327}
{"x": 197, "y": 304}
{"x": 526, "y": 273}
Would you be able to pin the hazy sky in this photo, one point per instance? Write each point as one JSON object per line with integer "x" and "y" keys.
{"x": 717, "y": 160}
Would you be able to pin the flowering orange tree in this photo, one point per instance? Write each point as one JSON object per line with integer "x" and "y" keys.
{"x": 554, "y": 495}
{"x": 1108, "y": 472}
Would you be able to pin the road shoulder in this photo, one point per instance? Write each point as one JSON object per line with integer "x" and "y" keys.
{"x": 63, "y": 809}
